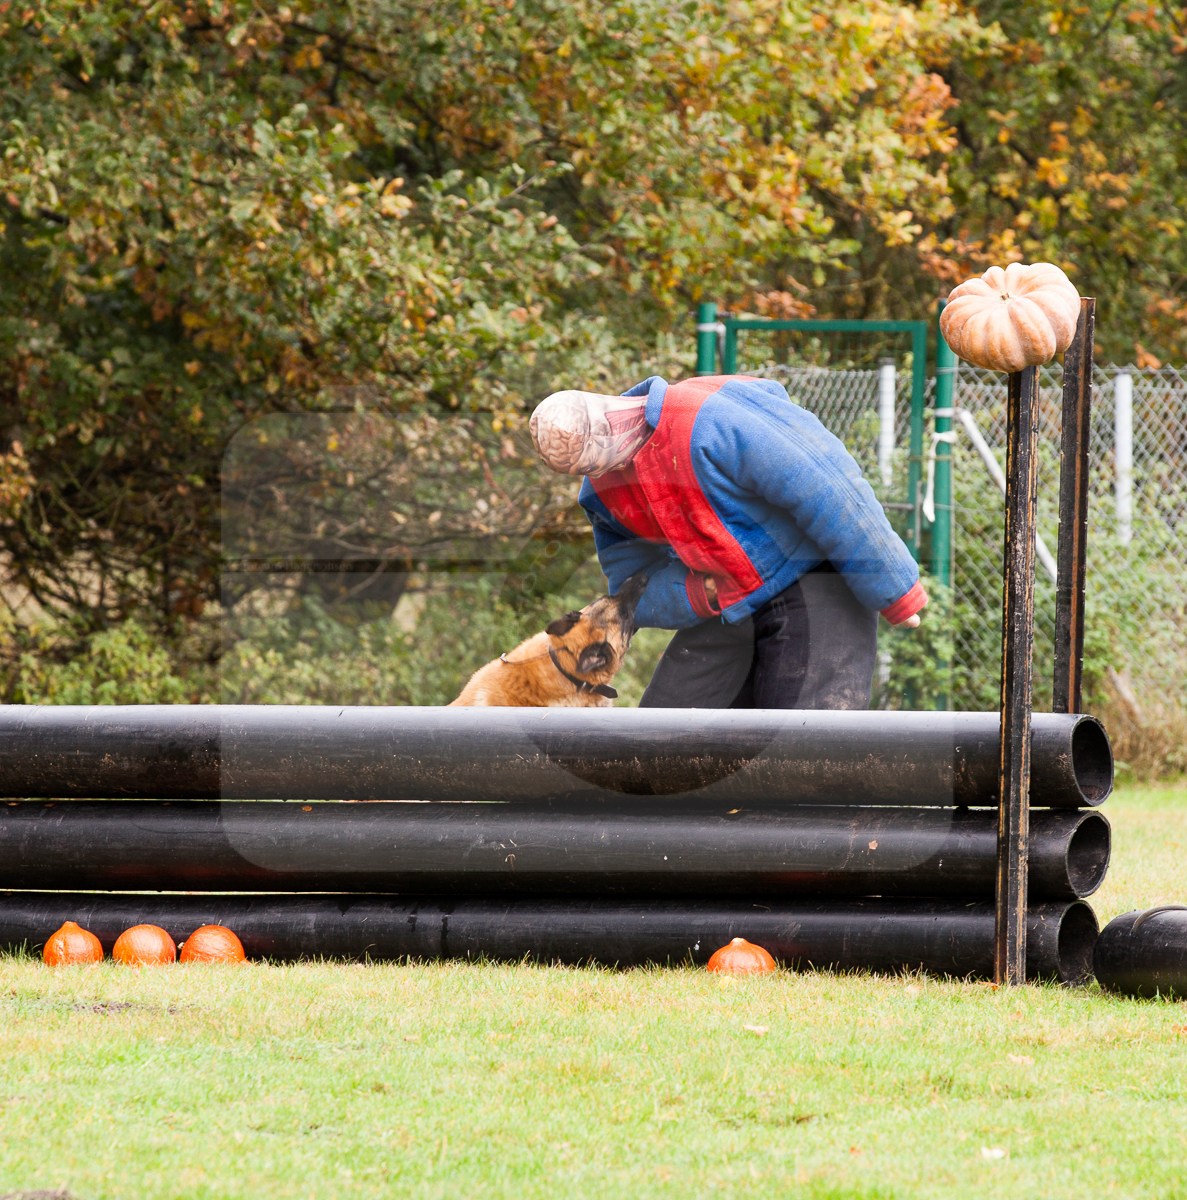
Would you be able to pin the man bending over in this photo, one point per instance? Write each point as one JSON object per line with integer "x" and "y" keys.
{"x": 765, "y": 548}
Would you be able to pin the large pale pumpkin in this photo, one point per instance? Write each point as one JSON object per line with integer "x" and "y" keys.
{"x": 1006, "y": 320}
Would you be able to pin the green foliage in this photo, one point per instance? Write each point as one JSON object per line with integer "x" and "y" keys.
{"x": 921, "y": 672}
{"x": 217, "y": 210}
{"x": 124, "y": 664}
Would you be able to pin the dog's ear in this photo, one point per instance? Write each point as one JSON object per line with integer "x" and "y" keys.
{"x": 595, "y": 658}
{"x": 562, "y": 625}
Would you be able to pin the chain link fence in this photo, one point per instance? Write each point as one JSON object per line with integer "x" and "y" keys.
{"x": 1137, "y": 551}
{"x": 1137, "y": 534}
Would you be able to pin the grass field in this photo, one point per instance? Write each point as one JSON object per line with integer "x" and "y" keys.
{"x": 463, "y": 1080}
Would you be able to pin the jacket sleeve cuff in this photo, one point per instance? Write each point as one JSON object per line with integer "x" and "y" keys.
{"x": 906, "y": 606}
{"x": 698, "y": 598}
{"x": 664, "y": 603}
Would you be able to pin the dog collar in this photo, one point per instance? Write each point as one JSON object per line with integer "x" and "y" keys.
{"x": 598, "y": 689}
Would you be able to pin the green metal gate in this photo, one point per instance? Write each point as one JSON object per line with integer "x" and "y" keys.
{"x": 718, "y": 348}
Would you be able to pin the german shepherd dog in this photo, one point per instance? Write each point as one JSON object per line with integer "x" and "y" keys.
{"x": 569, "y": 665}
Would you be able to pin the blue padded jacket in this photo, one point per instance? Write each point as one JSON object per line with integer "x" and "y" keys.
{"x": 740, "y": 484}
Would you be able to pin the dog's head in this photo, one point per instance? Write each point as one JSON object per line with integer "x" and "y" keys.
{"x": 591, "y": 643}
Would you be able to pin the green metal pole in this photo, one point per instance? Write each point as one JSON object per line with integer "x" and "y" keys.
{"x": 941, "y": 534}
{"x": 941, "y": 530}
{"x": 915, "y": 460}
{"x": 707, "y": 339}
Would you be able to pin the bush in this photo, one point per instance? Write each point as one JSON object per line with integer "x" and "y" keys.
{"x": 126, "y": 664}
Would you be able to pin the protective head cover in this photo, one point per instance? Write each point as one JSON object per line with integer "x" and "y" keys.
{"x": 584, "y": 433}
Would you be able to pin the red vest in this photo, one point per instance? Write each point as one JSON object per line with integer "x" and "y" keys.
{"x": 657, "y": 497}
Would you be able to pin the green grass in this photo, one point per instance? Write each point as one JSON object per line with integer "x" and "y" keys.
{"x": 468, "y": 1080}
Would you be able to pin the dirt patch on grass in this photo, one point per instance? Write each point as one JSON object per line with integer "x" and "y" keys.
{"x": 56, "y": 1194}
{"x": 107, "y": 1008}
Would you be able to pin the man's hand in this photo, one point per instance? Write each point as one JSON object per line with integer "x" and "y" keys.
{"x": 711, "y": 590}
{"x": 912, "y": 622}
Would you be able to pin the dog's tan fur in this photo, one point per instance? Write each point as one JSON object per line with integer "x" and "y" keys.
{"x": 589, "y": 645}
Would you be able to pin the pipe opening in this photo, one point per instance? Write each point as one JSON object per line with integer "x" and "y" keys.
{"x": 1088, "y": 853}
{"x": 1078, "y": 932}
{"x": 1092, "y": 760}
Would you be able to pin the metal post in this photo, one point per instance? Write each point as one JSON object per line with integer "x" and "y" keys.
{"x": 941, "y": 532}
{"x": 1123, "y": 455}
{"x": 1073, "y": 514}
{"x": 1013, "y": 830}
{"x": 706, "y": 338}
{"x": 887, "y": 383}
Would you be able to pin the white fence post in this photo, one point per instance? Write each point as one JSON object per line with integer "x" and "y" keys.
{"x": 886, "y": 389}
{"x": 1123, "y": 455}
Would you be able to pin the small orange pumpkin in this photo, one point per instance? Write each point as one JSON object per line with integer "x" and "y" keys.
{"x": 741, "y": 957}
{"x": 212, "y": 944}
{"x": 72, "y": 944}
{"x": 144, "y": 946}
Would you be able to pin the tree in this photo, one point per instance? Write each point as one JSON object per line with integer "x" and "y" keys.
{"x": 1072, "y": 148}
{"x": 217, "y": 210}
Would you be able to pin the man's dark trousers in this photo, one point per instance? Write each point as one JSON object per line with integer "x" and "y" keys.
{"x": 812, "y": 646}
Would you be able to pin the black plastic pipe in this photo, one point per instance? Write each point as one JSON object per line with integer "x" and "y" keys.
{"x": 637, "y": 847}
{"x": 278, "y": 752}
{"x": 1145, "y": 953}
{"x": 944, "y": 938}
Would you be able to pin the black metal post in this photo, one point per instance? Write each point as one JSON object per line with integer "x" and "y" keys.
{"x": 1073, "y": 514}
{"x": 1013, "y": 833}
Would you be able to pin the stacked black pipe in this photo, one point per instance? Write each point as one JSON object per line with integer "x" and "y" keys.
{"x": 850, "y": 840}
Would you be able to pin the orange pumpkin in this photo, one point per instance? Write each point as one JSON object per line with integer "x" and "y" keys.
{"x": 1006, "y": 320}
{"x": 72, "y": 944}
{"x": 144, "y": 946}
{"x": 212, "y": 944}
{"x": 741, "y": 957}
